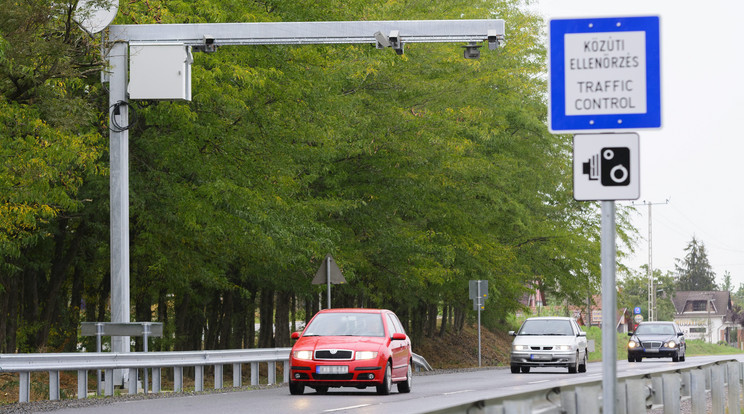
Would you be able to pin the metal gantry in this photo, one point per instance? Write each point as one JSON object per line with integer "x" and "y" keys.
{"x": 207, "y": 37}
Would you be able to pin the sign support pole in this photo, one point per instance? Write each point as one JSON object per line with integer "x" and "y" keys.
{"x": 479, "y": 324}
{"x": 328, "y": 279}
{"x": 609, "y": 333}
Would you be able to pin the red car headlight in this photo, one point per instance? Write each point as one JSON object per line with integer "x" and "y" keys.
{"x": 304, "y": 355}
{"x": 360, "y": 355}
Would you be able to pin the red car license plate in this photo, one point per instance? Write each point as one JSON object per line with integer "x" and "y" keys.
{"x": 332, "y": 369}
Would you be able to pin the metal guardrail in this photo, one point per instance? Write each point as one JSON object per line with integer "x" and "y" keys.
{"x": 635, "y": 394}
{"x": 24, "y": 364}
{"x": 54, "y": 363}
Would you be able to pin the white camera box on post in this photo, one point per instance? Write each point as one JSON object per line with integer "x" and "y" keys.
{"x": 160, "y": 71}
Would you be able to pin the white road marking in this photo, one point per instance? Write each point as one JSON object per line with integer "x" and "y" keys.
{"x": 351, "y": 407}
{"x": 538, "y": 382}
{"x": 456, "y": 392}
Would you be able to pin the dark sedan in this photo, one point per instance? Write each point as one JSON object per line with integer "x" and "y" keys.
{"x": 656, "y": 340}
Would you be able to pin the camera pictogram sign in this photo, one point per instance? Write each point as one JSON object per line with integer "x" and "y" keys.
{"x": 606, "y": 167}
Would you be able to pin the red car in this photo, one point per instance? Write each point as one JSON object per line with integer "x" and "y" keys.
{"x": 351, "y": 348}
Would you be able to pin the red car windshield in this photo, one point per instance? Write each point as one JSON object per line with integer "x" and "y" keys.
{"x": 346, "y": 324}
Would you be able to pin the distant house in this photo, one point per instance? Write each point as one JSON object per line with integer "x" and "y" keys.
{"x": 705, "y": 315}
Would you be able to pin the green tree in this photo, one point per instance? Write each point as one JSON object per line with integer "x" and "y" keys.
{"x": 633, "y": 291}
{"x": 694, "y": 271}
{"x": 726, "y": 284}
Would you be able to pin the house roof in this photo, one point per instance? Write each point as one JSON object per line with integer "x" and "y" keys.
{"x": 719, "y": 299}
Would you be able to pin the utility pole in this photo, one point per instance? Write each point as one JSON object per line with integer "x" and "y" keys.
{"x": 650, "y": 271}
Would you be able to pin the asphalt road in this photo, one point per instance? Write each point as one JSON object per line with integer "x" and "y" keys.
{"x": 429, "y": 392}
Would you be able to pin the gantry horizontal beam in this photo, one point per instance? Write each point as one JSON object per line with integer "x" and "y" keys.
{"x": 302, "y": 33}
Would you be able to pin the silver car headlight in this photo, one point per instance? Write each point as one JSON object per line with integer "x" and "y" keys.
{"x": 563, "y": 348}
{"x": 519, "y": 347}
{"x": 632, "y": 344}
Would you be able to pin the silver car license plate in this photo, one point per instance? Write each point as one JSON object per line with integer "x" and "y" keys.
{"x": 332, "y": 369}
{"x": 540, "y": 357}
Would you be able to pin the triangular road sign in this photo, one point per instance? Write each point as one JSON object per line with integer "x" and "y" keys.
{"x": 322, "y": 276}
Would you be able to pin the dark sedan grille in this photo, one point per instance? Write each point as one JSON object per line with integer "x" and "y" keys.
{"x": 334, "y": 354}
{"x": 651, "y": 344}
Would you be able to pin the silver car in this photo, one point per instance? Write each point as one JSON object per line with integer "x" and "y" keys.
{"x": 549, "y": 342}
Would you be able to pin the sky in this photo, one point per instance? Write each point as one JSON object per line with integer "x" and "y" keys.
{"x": 692, "y": 168}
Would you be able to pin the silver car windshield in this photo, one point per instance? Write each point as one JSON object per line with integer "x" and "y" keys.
{"x": 546, "y": 327}
{"x": 346, "y": 324}
{"x": 655, "y": 329}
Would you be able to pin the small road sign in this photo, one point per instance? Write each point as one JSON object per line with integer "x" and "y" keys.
{"x": 606, "y": 167}
{"x": 604, "y": 74}
{"x": 637, "y": 310}
{"x": 638, "y": 318}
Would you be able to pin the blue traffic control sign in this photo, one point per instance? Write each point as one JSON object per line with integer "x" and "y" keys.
{"x": 637, "y": 310}
{"x": 605, "y": 74}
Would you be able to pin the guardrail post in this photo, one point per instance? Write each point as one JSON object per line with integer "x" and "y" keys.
{"x": 734, "y": 388}
{"x": 685, "y": 385}
{"x": 587, "y": 401}
{"x": 237, "y": 375}
{"x": 517, "y": 406}
{"x": 217, "y": 376}
{"x": 82, "y": 391}
{"x": 24, "y": 387}
{"x": 178, "y": 379}
{"x": 54, "y": 385}
{"x": 272, "y": 372}
{"x": 109, "y": 381}
{"x": 156, "y": 378}
{"x": 254, "y": 373}
{"x": 716, "y": 389}
{"x": 636, "y": 393}
{"x": 657, "y": 387}
{"x": 133, "y": 378}
{"x": 199, "y": 378}
{"x": 568, "y": 401}
{"x": 697, "y": 391}
{"x": 621, "y": 400}
{"x": 285, "y": 364}
{"x": 671, "y": 395}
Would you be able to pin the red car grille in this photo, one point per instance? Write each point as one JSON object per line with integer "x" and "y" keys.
{"x": 333, "y": 354}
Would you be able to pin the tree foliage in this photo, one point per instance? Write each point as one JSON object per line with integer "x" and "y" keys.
{"x": 694, "y": 271}
{"x": 417, "y": 172}
{"x": 633, "y": 291}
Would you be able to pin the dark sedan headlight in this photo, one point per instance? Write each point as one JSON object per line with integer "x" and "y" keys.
{"x": 671, "y": 344}
{"x": 633, "y": 345}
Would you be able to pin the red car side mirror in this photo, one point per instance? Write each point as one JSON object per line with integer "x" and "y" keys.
{"x": 399, "y": 336}
{"x": 295, "y": 335}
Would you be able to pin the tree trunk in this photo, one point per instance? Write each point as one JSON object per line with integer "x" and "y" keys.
{"x": 163, "y": 317}
{"x": 60, "y": 266}
{"x": 225, "y": 328}
{"x": 445, "y": 318}
{"x": 266, "y": 316}
{"x": 459, "y": 321}
{"x": 73, "y": 313}
{"x": 4, "y": 312}
{"x": 250, "y": 339}
{"x": 182, "y": 324}
{"x": 431, "y": 320}
{"x": 281, "y": 334}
